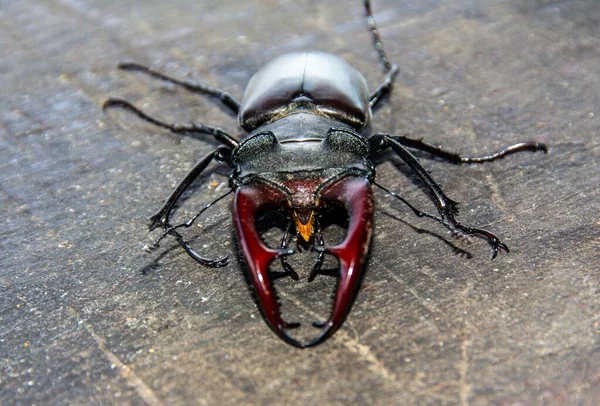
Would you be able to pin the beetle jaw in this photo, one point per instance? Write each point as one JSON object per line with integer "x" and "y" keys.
{"x": 354, "y": 193}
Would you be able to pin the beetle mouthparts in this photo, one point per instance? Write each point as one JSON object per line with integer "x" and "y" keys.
{"x": 304, "y": 223}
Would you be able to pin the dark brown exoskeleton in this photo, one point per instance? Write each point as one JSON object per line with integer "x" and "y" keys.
{"x": 304, "y": 153}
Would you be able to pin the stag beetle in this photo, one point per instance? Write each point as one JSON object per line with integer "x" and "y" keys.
{"x": 304, "y": 153}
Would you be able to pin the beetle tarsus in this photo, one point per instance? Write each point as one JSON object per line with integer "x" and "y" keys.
{"x": 460, "y": 230}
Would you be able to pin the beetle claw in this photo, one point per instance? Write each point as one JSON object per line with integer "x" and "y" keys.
{"x": 291, "y": 326}
{"x": 497, "y": 245}
{"x": 157, "y": 221}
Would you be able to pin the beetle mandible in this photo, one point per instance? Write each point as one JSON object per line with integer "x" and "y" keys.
{"x": 304, "y": 153}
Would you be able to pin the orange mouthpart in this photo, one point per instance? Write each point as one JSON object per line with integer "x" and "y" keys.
{"x": 304, "y": 225}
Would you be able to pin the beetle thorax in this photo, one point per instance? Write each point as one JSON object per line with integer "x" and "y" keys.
{"x": 294, "y": 159}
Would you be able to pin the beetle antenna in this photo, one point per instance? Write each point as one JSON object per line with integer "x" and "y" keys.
{"x": 391, "y": 69}
{"x": 288, "y": 269}
{"x": 377, "y": 42}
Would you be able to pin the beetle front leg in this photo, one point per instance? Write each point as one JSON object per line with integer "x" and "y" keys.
{"x": 458, "y": 159}
{"x": 447, "y": 208}
{"x": 169, "y": 229}
{"x": 161, "y": 217}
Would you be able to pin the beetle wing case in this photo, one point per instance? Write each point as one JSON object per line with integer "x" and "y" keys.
{"x": 320, "y": 82}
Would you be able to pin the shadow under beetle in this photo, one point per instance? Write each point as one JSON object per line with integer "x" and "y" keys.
{"x": 304, "y": 155}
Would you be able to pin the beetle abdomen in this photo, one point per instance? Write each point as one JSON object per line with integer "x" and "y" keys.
{"x": 313, "y": 82}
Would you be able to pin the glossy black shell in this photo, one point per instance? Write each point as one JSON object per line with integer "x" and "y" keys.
{"x": 314, "y": 82}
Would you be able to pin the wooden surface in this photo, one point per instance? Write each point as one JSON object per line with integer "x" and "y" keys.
{"x": 88, "y": 317}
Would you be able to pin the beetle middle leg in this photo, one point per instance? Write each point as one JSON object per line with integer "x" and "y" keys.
{"x": 458, "y": 159}
{"x": 287, "y": 268}
{"x": 447, "y": 208}
{"x": 181, "y": 129}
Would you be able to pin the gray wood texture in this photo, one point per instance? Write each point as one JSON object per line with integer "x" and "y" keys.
{"x": 88, "y": 317}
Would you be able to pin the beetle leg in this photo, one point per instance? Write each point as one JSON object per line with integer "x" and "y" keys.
{"x": 458, "y": 159}
{"x": 471, "y": 231}
{"x": 201, "y": 88}
{"x": 161, "y": 217}
{"x": 213, "y": 263}
{"x": 384, "y": 88}
{"x": 191, "y": 129}
{"x": 169, "y": 229}
{"x": 447, "y": 208}
{"x": 317, "y": 268}
{"x": 288, "y": 270}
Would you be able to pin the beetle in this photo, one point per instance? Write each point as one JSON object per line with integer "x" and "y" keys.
{"x": 304, "y": 155}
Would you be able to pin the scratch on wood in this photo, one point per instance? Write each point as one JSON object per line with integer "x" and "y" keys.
{"x": 496, "y": 195}
{"x": 375, "y": 365}
{"x": 126, "y": 371}
{"x": 463, "y": 368}
{"x": 463, "y": 364}
{"x": 427, "y": 305}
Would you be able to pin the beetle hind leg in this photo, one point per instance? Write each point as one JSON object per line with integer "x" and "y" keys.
{"x": 391, "y": 69}
{"x": 199, "y": 88}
